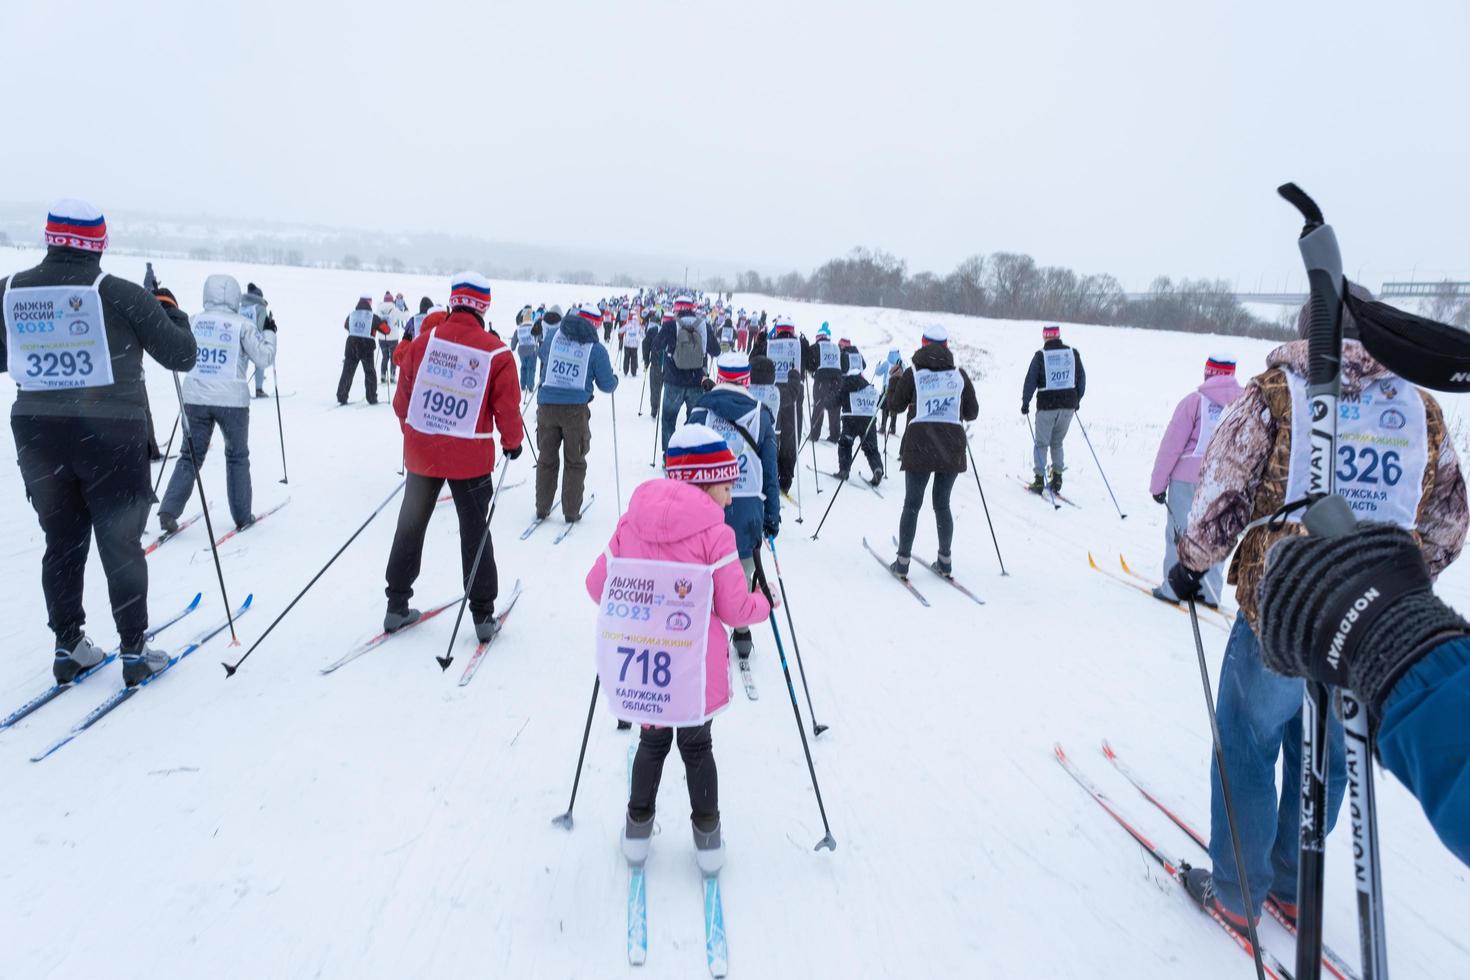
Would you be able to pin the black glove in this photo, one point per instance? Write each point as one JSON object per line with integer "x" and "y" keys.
{"x": 1185, "y": 581}
{"x": 772, "y": 529}
{"x": 1025, "y": 408}
{"x": 512, "y": 452}
{"x": 1354, "y": 611}
{"x": 1162, "y": 497}
{"x": 270, "y": 323}
{"x": 707, "y": 384}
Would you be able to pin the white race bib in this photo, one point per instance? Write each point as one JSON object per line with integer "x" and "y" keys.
{"x": 449, "y": 389}
{"x": 1209, "y": 420}
{"x": 56, "y": 337}
{"x": 937, "y": 395}
{"x": 1382, "y": 449}
{"x": 525, "y": 339}
{"x": 217, "y": 336}
{"x": 630, "y": 336}
{"x": 749, "y": 483}
{"x": 360, "y": 323}
{"x": 864, "y": 402}
{"x": 566, "y": 364}
{"x": 251, "y": 312}
{"x": 1061, "y": 369}
{"x": 769, "y": 396}
{"x": 784, "y": 353}
{"x": 829, "y": 356}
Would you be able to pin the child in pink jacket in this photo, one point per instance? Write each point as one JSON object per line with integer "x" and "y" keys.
{"x": 1176, "y": 467}
{"x": 682, "y": 518}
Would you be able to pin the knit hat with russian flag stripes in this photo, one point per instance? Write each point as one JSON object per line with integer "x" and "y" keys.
{"x": 733, "y": 368}
{"x": 935, "y": 334}
{"x": 1220, "y": 364}
{"x": 698, "y": 454}
{"x": 783, "y": 327}
{"x": 471, "y": 291}
{"x": 73, "y": 223}
{"x": 684, "y": 304}
{"x": 1051, "y": 332}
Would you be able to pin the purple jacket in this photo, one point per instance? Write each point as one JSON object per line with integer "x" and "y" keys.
{"x": 1177, "y": 459}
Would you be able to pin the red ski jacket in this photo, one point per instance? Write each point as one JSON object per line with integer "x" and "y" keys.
{"x": 450, "y": 456}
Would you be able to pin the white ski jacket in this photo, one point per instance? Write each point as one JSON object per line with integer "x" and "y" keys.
{"x": 234, "y": 343}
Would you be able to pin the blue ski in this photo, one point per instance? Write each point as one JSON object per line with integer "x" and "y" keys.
{"x": 538, "y": 521}
{"x": 583, "y": 513}
{"x": 106, "y": 707}
{"x": 56, "y": 690}
{"x": 716, "y": 952}
{"x": 637, "y": 895}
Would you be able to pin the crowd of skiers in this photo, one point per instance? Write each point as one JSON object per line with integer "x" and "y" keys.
{"x": 1231, "y": 460}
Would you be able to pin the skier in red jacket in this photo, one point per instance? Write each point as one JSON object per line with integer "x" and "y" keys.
{"x": 459, "y": 386}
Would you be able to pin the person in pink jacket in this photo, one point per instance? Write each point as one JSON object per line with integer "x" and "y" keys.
{"x": 1176, "y": 467}
{"x": 682, "y": 518}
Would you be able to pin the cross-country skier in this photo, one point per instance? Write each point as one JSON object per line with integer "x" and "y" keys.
{"x": 860, "y": 402}
{"x": 787, "y": 353}
{"x": 217, "y": 392}
{"x": 362, "y": 324}
{"x": 631, "y": 335}
{"x": 254, "y": 307}
{"x": 748, "y": 427}
{"x": 763, "y": 386}
{"x": 1057, "y": 379}
{"x": 824, "y": 362}
{"x": 528, "y": 347}
{"x": 938, "y": 398}
{"x": 74, "y": 343}
{"x": 571, "y": 361}
{"x": 888, "y": 370}
{"x": 1410, "y": 664}
{"x": 389, "y": 313}
{"x": 411, "y": 327}
{"x": 1176, "y": 466}
{"x": 682, "y": 519}
{"x": 653, "y": 363}
{"x": 1256, "y": 462}
{"x": 448, "y": 416}
{"x": 687, "y": 342}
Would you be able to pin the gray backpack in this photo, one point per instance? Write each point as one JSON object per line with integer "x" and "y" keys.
{"x": 689, "y": 345}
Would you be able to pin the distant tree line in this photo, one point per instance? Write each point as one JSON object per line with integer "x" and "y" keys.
{"x": 1010, "y": 285}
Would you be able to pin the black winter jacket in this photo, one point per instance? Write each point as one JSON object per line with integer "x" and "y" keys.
{"x": 934, "y": 447}
{"x": 1036, "y": 382}
{"x": 135, "y": 323}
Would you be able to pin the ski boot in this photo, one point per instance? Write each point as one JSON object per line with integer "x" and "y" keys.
{"x": 743, "y": 644}
{"x": 900, "y": 567}
{"x": 246, "y": 523}
{"x": 142, "y": 663}
{"x": 168, "y": 522}
{"x": 260, "y": 393}
{"x": 81, "y": 657}
{"x": 841, "y": 475}
{"x": 944, "y": 564}
{"x": 1200, "y": 884}
{"x": 709, "y": 848}
{"x": 486, "y": 625}
{"x": 1037, "y": 485}
{"x": 877, "y": 476}
{"x": 1159, "y": 594}
{"x": 396, "y": 619}
{"x": 1056, "y": 481}
{"x": 636, "y": 837}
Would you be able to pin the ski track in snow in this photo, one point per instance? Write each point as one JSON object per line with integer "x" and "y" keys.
{"x": 383, "y": 822}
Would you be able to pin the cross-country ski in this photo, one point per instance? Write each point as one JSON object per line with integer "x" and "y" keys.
{"x": 483, "y": 646}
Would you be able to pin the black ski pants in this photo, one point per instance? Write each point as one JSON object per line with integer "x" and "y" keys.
{"x": 87, "y": 477}
{"x": 359, "y": 351}
{"x": 630, "y": 361}
{"x": 655, "y": 386}
{"x": 859, "y": 429}
{"x": 472, "y": 502}
{"x": 913, "y": 500}
{"x": 826, "y": 395}
{"x": 788, "y": 434}
{"x": 696, "y": 747}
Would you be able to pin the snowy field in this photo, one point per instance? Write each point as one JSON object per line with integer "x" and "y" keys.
{"x": 384, "y": 822}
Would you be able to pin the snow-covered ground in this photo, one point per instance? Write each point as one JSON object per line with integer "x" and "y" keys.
{"x": 384, "y": 822}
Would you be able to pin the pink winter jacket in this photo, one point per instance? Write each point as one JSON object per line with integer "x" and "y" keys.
{"x": 672, "y": 521}
{"x": 1176, "y": 459}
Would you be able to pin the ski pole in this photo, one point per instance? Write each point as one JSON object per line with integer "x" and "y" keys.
{"x": 642, "y": 390}
{"x": 448, "y": 657}
{"x": 658, "y": 425}
{"x": 796, "y": 474}
{"x": 795, "y": 644}
{"x": 976, "y": 469}
{"x": 1318, "y": 246}
{"x": 565, "y": 820}
{"x": 208, "y": 522}
{"x": 166, "y": 450}
{"x": 530, "y": 443}
{"x": 827, "y": 841}
{"x": 617, "y": 460}
{"x": 280, "y": 427}
{"x": 231, "y": 668}
{"x": 840, "y": 485}
{"x": 1099, "y": 465}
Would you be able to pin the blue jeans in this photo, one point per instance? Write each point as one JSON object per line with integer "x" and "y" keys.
{"x": 528, "y": 371}
{"x": 1260, "y": 717}
{"x": 234, "y": 425}
{"x": 674, "y": 397}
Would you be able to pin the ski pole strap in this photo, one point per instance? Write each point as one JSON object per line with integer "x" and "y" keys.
{"x": 760, "y": 576}
{"x": 1279, "y": 517}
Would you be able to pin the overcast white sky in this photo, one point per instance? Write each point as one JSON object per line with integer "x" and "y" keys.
{"x": 1130, "y": 136}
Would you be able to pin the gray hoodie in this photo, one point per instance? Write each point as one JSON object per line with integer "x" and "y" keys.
{"x": 225, "y": 338}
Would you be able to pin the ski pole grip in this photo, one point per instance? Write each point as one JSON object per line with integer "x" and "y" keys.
{"x": 1330, "y": 517}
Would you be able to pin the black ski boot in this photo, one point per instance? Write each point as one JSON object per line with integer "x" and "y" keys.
{"x": 877, "y": 476}
{"x": 1056, "y": 481}
{"x": 486, "y": 626}
{"x": 247, "y": 522}
{"x": 900, "y": 567}
{"x": 742, "y": 642}
{"x": 1200, "y": 884}
{"x": 396, "y": 619}
{"x": 841, "y": 475}
{"x": 1037, "y": 485}
{"x": 944, "y": 564}
{"x": 80, "y": 657}
{"x": 142, "y": 663}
